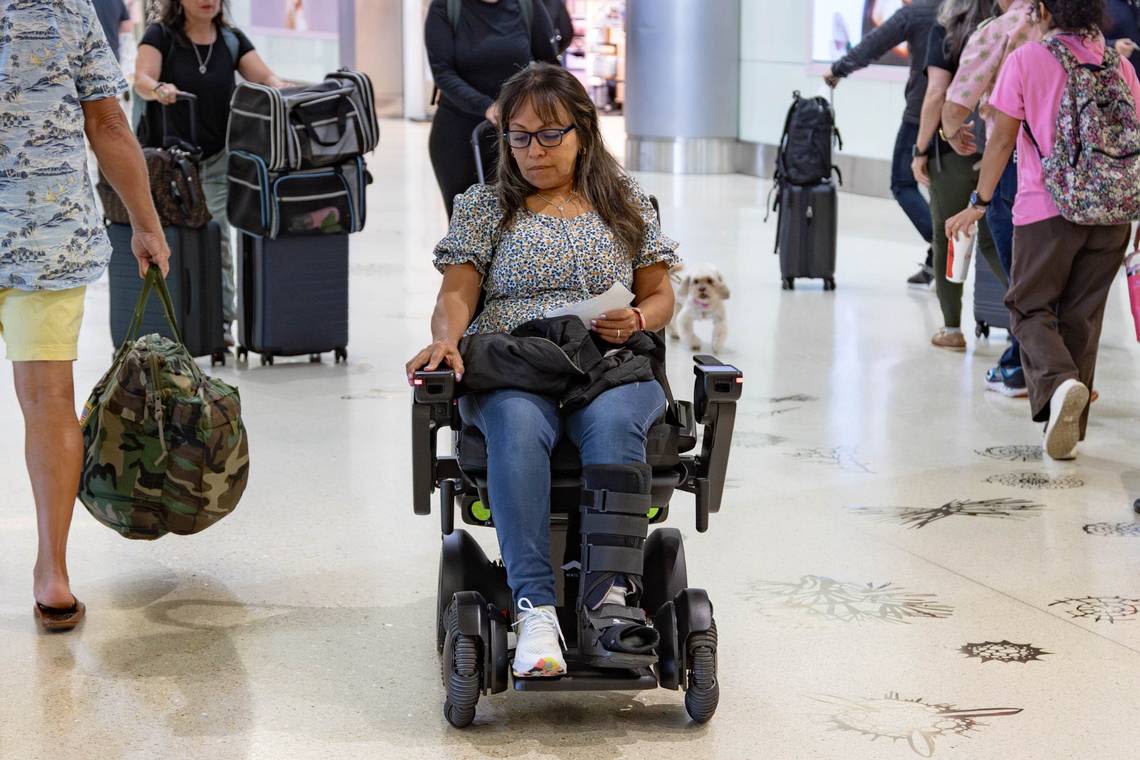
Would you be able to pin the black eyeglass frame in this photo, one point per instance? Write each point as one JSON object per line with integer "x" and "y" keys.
{"x": 562, "y": 132}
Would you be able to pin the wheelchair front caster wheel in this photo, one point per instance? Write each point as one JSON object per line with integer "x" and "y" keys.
{"x": 462, "y": 673}
{"x": 703, "y": 694}
{"x": 788, "y": 284}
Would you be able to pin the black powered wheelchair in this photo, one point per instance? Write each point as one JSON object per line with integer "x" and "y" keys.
{"x": 474, "y": 605}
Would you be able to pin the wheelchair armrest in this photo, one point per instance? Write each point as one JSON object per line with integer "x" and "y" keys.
{"x": 717, "y": 388}
{"x": 433, "y": 407}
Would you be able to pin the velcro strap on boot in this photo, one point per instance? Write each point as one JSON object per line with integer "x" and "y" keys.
{"x": 613, "y": 559}
{"x": 600, "y": 523}
{"x": 617, "y": 501}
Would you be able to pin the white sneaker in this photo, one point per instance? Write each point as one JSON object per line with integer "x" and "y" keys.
{"x": 1064, "y": 429}
{"x": 538, "y": 652}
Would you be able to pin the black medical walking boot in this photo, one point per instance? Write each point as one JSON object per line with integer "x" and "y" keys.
{"x": 613, "y": 631}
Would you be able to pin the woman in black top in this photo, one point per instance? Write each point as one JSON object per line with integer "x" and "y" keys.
{"x": 193, "y": 49}
{"x": 949, "y": 176}
{"x": 471, "y": 56}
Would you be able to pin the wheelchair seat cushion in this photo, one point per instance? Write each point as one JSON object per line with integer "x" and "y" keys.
{"x": 663, "y": 448}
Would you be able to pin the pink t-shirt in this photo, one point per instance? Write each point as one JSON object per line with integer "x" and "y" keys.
{"x": 1029, "y": 88}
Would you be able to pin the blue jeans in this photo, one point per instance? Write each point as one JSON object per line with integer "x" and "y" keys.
{"x": 521, "y": 430}
{"x": 904, "y": 187}
{"x": 999, "y": 217}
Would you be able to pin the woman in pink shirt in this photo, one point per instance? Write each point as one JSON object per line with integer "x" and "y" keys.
{"x": 1062, "y": 269}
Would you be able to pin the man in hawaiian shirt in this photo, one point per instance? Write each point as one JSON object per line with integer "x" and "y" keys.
{"x": 58, "y": 80}
{"x": 982, "y": 59}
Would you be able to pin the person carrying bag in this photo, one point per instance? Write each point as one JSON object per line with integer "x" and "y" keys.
{"x": 165, "y": 450}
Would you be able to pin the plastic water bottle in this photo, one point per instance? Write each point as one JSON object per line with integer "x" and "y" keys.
{"x": 1132, "y": 267}
{"x": 959, "y": 254}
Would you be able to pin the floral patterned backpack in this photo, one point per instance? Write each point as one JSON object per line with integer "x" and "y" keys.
{"x": 1093, "y": 172}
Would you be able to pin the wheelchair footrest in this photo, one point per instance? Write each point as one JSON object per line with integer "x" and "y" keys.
{"x": 585, "y": 678}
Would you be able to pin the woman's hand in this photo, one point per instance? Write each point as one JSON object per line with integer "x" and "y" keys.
{"x": 920, "y": 166}
{"x": 492, "y": 114}
{"x": 439, "y": 352}
{"x": 616, "y": 326}
{"x": 166, "y": 93}
{"x": 964, "y": 222}
{"x": 964, "y": 142}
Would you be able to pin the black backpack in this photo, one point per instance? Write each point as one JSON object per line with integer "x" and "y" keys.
{"x": 804, "y": 155}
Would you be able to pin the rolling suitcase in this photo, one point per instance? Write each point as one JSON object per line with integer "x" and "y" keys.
{"x": 806, "y": 233}
{"x": 195, "y": 284}
{"x": 989, "y": 302}
{"x": 294, "y": 296}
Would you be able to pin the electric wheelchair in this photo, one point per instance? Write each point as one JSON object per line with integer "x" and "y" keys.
{"x": 474, "y": 604}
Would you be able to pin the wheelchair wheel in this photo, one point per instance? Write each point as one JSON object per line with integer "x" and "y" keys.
{"x": 703, "y": 694}
{"x": 462, "y": 673}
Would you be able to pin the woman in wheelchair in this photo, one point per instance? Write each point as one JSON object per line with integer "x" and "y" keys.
{"x": 562, "y": 224}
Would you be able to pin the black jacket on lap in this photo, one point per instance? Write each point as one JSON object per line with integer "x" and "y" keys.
{"x": 560, "y": 359}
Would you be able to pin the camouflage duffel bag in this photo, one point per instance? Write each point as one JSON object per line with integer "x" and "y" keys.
{"x": 165, "y": 450}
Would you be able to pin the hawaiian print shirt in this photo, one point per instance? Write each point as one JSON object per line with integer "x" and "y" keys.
{"x": 53, "y": 56}
{"x": 984, "y": 54}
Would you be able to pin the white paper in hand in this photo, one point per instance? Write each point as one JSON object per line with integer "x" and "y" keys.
{"x": 617, "y": 297}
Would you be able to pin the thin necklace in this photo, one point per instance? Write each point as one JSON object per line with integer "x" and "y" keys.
{"x": 559, "y": 208}
{"x": 209, "y": 52}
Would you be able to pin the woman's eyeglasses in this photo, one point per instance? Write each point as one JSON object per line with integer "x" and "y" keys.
{"x": 547, "y": 138}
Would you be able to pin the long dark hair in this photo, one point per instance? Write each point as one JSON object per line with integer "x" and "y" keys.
{"x": 1085, "y": 17}
{"x": 960, "y": 18}
{"x": 597, "y": 175}
{"x": 173, "y": 16}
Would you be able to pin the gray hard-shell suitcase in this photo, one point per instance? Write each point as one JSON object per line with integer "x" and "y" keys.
{"x": 195, "y": 284}
{"x": 989, "y": 301}
{"x": 294, "y": 296}
{"x": 807, "y": 233}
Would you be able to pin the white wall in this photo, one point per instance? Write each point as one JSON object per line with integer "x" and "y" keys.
{"x": 295, "y": 59}
{"x": 774, "y": 50}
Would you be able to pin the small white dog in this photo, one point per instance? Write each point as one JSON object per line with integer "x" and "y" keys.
{"x": 700, "y": 296}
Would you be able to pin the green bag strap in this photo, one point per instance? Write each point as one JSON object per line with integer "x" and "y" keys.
{"x": 156, "y": 282}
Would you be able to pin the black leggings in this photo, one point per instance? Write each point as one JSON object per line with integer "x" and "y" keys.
{"x": 451, "y": 154}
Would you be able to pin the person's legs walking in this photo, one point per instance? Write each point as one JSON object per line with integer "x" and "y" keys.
{"x": 215, "y": 186}
{"x": 41, "y": 332}
{"x": 1008, "y": 376}
{"x": 952, "y": 177}
{"x": 449, "y": 146}
{"x": 904, "y": 188}
{"x": 1080, "y": 311}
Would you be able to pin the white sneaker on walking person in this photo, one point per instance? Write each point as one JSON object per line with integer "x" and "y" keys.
{"x": 538, "y": 652}
{"x": 1063, "y": 432}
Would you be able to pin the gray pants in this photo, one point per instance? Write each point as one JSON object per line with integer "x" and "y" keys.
{"x": 213, "y": 172}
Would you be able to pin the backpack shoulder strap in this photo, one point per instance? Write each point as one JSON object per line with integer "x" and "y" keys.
{"x": 232, "y": 44}
{"x": 454, "y": 7}
{"x": 1062, "y": 53}
{"x": 527, "y": 8}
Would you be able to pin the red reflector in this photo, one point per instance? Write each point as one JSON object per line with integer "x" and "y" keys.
{"x": 418, "y": 381}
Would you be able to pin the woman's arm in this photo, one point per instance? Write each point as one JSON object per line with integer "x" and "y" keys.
{"x": 255, "y": 70}
{"x": 454, "y": 309}
{"x": 653, "y": 295}
{"x": 999, "y": 148}
{"x": 938, "y": 81}
{"x": 148, "y": 67}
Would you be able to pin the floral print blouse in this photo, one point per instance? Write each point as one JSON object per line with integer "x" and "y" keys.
{"x": 543, "y": 262}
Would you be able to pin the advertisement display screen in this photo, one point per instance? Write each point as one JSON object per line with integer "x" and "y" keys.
{"x": 839, "y": 25}
{"x": 309, "y": 18}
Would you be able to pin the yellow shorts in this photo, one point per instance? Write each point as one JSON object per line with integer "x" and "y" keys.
{"x": 41, "y": 325}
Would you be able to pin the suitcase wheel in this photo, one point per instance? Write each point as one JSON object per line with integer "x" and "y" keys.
{"x": 982, "y": 330}
{"x": 267, "y": 359}
{"x": 218, "y": 357}
{"x": 829, "y": 284}
{"x": 788, "y": 284}
{"x": 341, "y": 355}
{"x": 314, "y": 358}
{"x": 242, "y": 353}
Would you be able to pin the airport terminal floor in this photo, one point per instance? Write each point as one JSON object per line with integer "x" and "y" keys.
{"x": 895, "y": 571}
